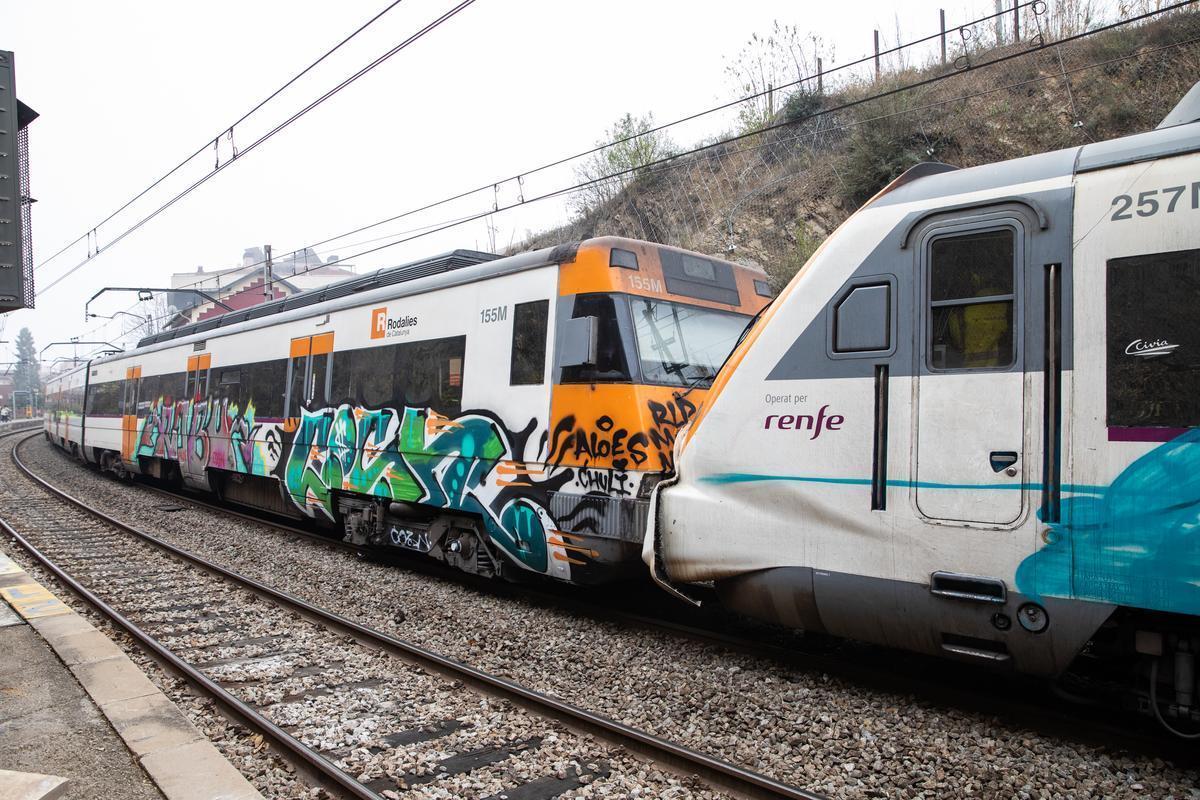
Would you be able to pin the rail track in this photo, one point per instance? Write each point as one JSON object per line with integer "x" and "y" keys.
{"x": 1021, "y": 700}
{"x": 271, "y": 665}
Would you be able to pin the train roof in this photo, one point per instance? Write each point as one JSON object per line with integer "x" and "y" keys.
{"x": 385, "y": 276}
{"x": 1179, "y": 133}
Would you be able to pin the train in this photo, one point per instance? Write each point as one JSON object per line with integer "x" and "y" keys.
{"x": 968, "y": 427}
{"x": 505, "y": 415}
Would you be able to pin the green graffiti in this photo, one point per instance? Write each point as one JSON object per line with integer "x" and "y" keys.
{"x": 416, "y": 456}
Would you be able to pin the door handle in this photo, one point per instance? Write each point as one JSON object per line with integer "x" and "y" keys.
{"x": 1002, "y": 459}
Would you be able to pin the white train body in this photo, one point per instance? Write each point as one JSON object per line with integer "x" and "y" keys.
{"x": 968, "y": 425}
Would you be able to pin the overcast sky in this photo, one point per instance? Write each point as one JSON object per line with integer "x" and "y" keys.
{"x": 127, "y": 89}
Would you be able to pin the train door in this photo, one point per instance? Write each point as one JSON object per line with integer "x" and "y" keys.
{"x": 309, "y": 371}
{"x": 129, "y": 401}
{"x": 970, "y": 398}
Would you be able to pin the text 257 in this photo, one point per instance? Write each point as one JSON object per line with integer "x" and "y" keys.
{"x": 1152, "y": 201}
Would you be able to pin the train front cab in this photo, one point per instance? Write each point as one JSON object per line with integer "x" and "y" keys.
{"x": 641, "y": 332}
{"x": 967, "y": 426}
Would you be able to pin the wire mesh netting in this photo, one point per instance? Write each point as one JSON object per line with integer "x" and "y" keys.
{"x": 26, "y": 202}
{"x": 770, "y": 198}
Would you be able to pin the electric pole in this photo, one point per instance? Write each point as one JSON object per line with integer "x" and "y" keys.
{"x": 268, "y": 291}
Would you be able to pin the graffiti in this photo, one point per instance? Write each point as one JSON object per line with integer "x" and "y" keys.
{"x": 208, "y": 433}
{"x": 1131, "y": 543}
{"x": 413, "y": 540}
{"x": 420, "y": 456}
{"x": 666, "y": 420}
{"x": 602, "y": 440}
{"x": 605, "y": 481}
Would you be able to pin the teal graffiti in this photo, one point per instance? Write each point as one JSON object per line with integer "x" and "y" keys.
{"x": 416, "y": 456}
{"x": 349, "y": 449}
{"x": 1132, "y": 543}
{"x": 201, "y": 434}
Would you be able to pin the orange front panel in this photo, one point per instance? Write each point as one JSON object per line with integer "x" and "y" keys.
{"x": 322, "y": 343}
{"x": 590, "y": 272}
{"x": 618, "y": 426}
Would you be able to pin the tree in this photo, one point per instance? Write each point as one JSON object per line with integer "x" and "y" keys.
{"x": 628, "y": 147}
{"x": 27, "y": 375}
{"x": 766, "y": 63}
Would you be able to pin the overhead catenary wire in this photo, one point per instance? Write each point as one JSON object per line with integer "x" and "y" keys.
{"x": 209, "y": 142}
{"x": 775, "y": 126}
{"x": 490, "y": 185}
{"x": 268, "y": 135}
{"x": 543, "y": 167}
{"x": 1035, "y": 4}
{"x": 664, "y": 163}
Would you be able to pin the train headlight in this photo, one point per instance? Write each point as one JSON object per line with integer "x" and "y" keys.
{"x": 1033, "y": 617}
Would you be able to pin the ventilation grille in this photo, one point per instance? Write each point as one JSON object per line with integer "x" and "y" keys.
{"x": 26, "y": 214}
{"x": 384, "y": 277}
{"x": 596, "y": 515}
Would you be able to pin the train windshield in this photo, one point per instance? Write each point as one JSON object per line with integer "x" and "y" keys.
{"x": 682, "y": 345}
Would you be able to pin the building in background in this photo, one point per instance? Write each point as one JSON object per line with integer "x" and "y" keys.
{"x": 245, "y": 285}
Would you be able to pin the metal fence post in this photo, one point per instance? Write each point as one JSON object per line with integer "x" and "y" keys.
{"x": 942, "y": 17}
{"x": 1016, "y": 21}
{"x": 820, "y": 76}
{"x": 876, "y": 54}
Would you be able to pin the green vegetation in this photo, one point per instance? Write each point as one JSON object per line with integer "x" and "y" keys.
{"x": 635, "y": 145}
{"x": 27, "y": 374}
{"x": 770, "y": 198}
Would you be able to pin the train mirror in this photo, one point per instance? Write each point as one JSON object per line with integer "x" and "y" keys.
{"x": 578, "y": 346}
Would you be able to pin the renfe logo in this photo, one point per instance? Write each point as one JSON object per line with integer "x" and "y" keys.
{"x": 806, "y": 422}
{"x": 1144, "y": 349}
{"x": 384, "y": 326}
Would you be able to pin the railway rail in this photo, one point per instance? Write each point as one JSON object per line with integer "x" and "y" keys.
{"x": 1020, "y": 699}
{"x": 261, "y": 661}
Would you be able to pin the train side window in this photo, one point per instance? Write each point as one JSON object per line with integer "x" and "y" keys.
{"x": 971, "y": 299}
{"x": 297, "y": 378}
{"x": 431, "y": 374}
{"x": 318, "y": 386}
{"x": 202, "y": 383}
{"x": 129, "y": 396}
{"x": 262, "y": 384}
{"x": 1153, "y": 334}
{"x": 862, "y": 319}
{"x": 528, "y": 363}
{"x": 613, "y": 355}
{"x": 229, "y": 386}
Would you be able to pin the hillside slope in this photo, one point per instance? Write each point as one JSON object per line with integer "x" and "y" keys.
{"x": 771, "y": 197}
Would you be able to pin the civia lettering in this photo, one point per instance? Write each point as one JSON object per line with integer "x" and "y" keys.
{"x": 1149, "y": 349}
{"x": 383, "y": 326}
{"x": 806, "y": 422}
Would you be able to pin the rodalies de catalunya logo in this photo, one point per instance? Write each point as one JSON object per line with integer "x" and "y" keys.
{"x": 383, "y": 326}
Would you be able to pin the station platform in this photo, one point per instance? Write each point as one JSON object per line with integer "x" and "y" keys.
{"x": 78, "y": 719}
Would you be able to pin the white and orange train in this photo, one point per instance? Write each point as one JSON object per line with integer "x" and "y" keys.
{"x": 505, "y": 415}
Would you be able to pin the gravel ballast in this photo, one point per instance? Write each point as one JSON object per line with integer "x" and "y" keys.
{"x": 805, "y": 728}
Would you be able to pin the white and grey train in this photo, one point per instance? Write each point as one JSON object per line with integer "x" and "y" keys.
{"x": 968, "y": 426}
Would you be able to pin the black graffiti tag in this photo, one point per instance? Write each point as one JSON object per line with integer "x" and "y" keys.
{"x": 666, "y": 419}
